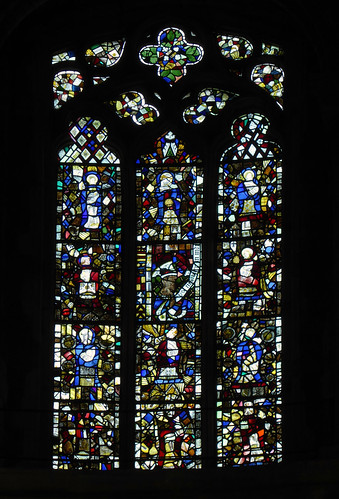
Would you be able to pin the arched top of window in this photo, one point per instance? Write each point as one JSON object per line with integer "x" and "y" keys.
{"x": 250, "y": 132}
{"x": 89, "y": 137}
{"x": 168, "y": 149}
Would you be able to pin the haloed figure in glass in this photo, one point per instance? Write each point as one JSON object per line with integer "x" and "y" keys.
{"x": 87, "y": 358}
{"x": 248, "y": 274}
{"x": 169, "y": 199}
{"x": 248, "y": 194}
{"x": 168, "y": 355}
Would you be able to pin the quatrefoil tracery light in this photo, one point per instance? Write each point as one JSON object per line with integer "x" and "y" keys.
{"x": 172, "y": 55}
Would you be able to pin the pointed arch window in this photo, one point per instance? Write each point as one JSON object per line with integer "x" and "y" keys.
{"x": 194, "y": 255}
{"x": 168, "y": 380}
{"x": 249, "y": 296}
{"x": 88, "y": 300}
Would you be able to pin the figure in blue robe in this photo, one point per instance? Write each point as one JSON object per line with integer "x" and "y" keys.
{"x": 248, "y": 193}
{"x": 249, "y": 353}
{"x": 86, "y": 358}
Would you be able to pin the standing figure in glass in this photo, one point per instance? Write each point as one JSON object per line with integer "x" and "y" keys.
{"x": 169, "y": 199}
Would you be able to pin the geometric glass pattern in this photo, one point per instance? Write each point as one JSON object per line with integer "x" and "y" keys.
{"x": 88, "y": 301}
{"x": 168, "y": 307}
{"x": 66, "y": 85}
{"x": 63, "y": 56}
{"x": 211, "y": 102}
{"x": 249, "y": 297}
{"x": 100, "y": 79}
{"x": 271, "y": 78}
{"x": 234, "y": 47}
{"x": 133, "y": 105}
{"x": 105, "y": 54}
{"x": 270, "y": 49}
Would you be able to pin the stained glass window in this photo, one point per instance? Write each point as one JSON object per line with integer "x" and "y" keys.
{"x": 168, "y": 309}
{"x": 105, "y": 54}
{"x": 169, "y": 199}
{"x": 88, "y": 301}
{"x": 66, "y": 85}
{"x": 249, "y": 297}
{"x": 271, "y": 49}
{"x": 211, "y": 101}
{"x": 132, "y": 105}
{"x": 99, "y": 79}
{"x": 63, "y": 56}
{"x": 235, "y": 47}
{"x": 202, "y": 270}
{"x": 270, "y": 78}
